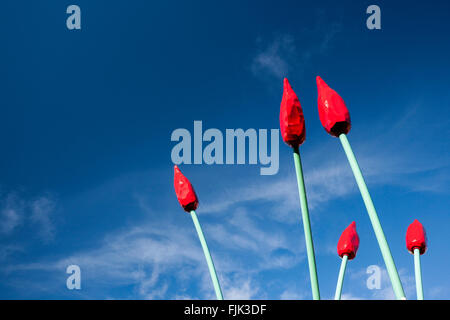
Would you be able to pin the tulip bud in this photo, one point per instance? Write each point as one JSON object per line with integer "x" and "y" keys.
{"x": 184, "y": 191}
{"x": 416, "y": 238}
{"x": 333, "y": 113}
{"x": 348, "y": 242}
{"x": 292, "y": 122}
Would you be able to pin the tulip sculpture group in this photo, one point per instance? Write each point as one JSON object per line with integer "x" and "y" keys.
{"x": 335, "y": 118}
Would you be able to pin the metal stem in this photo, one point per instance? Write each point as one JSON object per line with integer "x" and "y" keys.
{"x": 337, "y": 295}
{"x": 384, "y": 247}
{"x": 306, "y": 226}
{"x": 418, "y": 273}
{"x": 209, "y": 260}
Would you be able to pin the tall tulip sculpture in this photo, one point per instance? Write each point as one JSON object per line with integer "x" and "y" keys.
{"x": 416, "y": 243}
{"x": 335, "y": 119}
{"x": 189, "y": 201}
{"x": 347, "y": 247}
{"x": 292, "y": 126}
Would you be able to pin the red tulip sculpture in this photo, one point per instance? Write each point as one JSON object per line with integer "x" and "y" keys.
{"x": 185, "y": 192}
{"x": 333, "y": 112}
{"x": 188, "y": 200}
{"x": 348, "y": 243}
{"x": 292, "y": 122}
{"x": 347, "y": 247}
{"x": 292, "y": 126}
{"x": 416, "y": 243}
{"x": 335, "y": 118}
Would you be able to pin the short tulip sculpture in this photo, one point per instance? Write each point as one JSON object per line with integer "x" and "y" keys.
{"x": 292, "y": 125}
{"x": 347, "y": 247}
{"x": 416, "y": 243}
{"x": 335, "y": 119}
{"x": 189, "y": 201}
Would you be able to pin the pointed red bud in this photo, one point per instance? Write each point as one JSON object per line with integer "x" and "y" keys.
{"x": 184, "y": 191}
{"x": 292, "y": 122}
{"x": 348, "y": 242}
{"x": 416, "y": 238}
{"x": 333, "y": 113}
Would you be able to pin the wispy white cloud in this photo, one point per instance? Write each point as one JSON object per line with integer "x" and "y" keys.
{"x": 385, "y": 292}
{"x": 9, "y": 249}
{"x": 17, "y": 211}
{"x": 41, "y": 214}
{"x": 241, "y": 233}
{"x": 244, "y": 290}
{"x": 161, "y": 256}
{"x": 140, "y": 256}
{"x": 11, "y": 214}
{"x": 279, "y": 56}
{"x": 437, "y": 292}
{"x": 273, "y": 59}
{"x": 291, "y": 294}
{"x": 349, "y": 296}
{"x": 323, "y": 183}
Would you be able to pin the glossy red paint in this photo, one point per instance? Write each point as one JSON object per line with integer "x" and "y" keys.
{"x": 416, "y": 237}
{"x": 184, "y": 191}
{"x": 333, "y": 112}
{"x": 348, "y": 242}
{"x": 292, "y": 122}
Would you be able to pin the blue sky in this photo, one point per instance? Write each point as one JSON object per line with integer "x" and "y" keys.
{"x": 86, "y": 175}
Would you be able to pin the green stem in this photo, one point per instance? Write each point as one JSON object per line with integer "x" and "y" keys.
{"x": 418, "y": 272}
{"x": 306, "y": 225}
{"x": 209, "y": 260}
{"x": 384, "y": 247}
{"x": 337, "y": 295}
